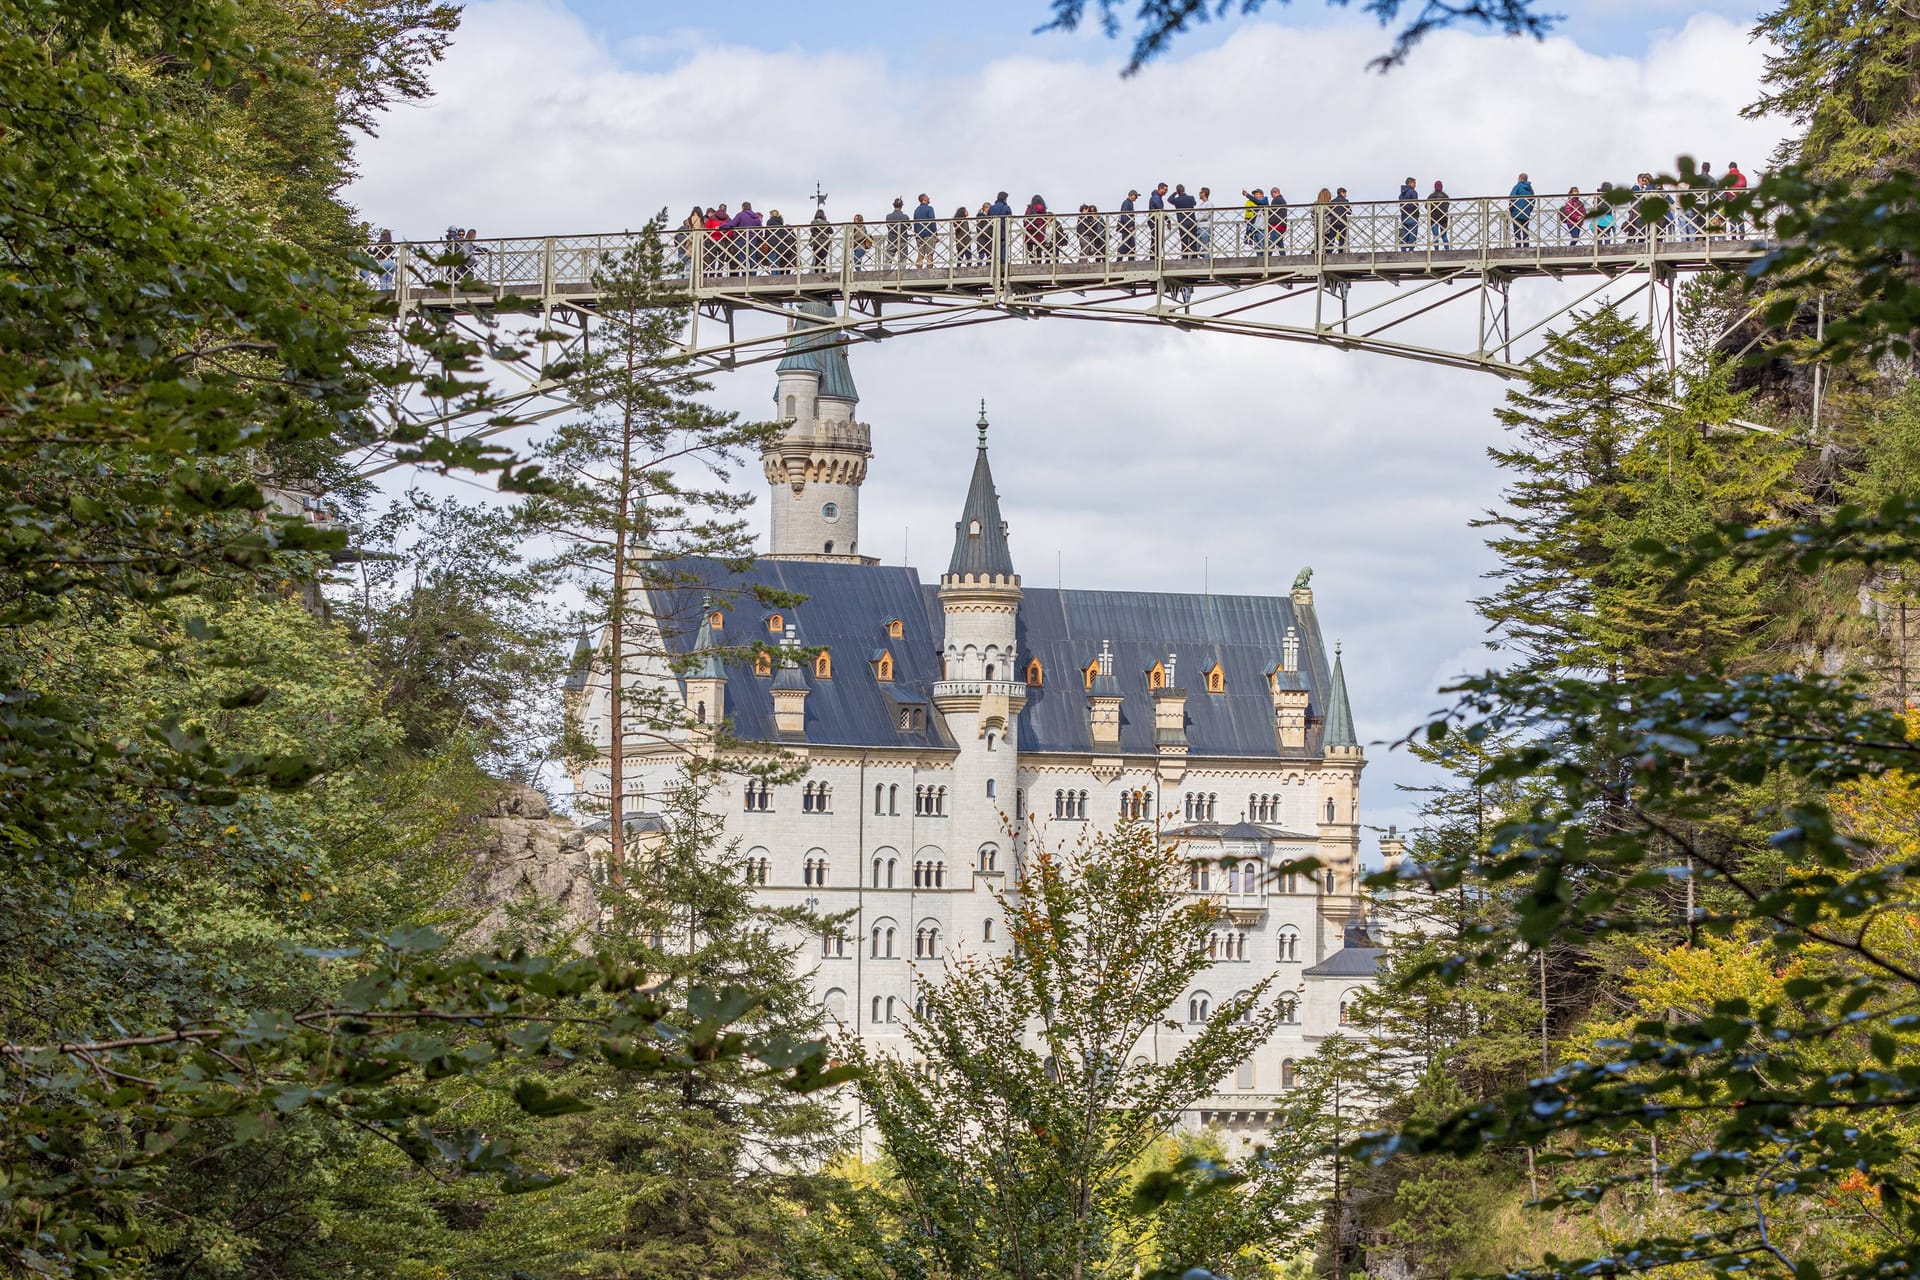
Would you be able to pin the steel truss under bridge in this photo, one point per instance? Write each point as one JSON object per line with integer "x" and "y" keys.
{"x": 1345, "y": 276}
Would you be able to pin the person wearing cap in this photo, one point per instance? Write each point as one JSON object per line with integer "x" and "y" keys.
{"x": 923, "y": 231}
{"x": 896, "y": 233}
{"x": 1123, "y": 227}
{"x": 1255, "y": 215}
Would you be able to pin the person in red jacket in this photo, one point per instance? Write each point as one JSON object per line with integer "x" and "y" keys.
{"x": 1736, "y": 181}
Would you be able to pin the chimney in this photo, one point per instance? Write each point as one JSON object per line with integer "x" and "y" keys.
{"x": 789, "y": 694}
{"x": 1170, "y": 713}
{"x": 1289, "y": 696}
{"x": 1103, "y": 701}
{"x": 1393, "y": 850}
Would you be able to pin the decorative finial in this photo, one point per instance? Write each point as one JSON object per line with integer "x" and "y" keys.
{"x": 787, "y": 641}
{"x": 819, "y": 197}
{"x": 983, "y": 423}
{"x": 1106, "y": 657}
{"x": 1336, "y": 648}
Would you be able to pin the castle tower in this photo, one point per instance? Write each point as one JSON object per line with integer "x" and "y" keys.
{"x": 1343, "y": 759}
{"x": 816, "y": 466}
{"x": 982, "y": 693}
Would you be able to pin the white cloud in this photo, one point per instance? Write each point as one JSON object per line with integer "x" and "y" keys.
{"x": 1132, "y": 454}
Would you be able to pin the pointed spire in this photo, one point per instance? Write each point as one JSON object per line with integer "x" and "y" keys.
{"x": 823, "y": 353}
{"x": 581, "y": 665}
{"x": 980, "y": 537}
{"x": 707, "y": 645}
{"x": 1339, "y": 712}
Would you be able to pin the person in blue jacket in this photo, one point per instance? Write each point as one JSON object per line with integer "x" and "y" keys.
{"x": 1000, "y": 211}
{"x": 1156, "y": 215}
{"x": 1409, "y": 213}
{"x": 1520, "y": 209}
{"x": 1124, "y": 226}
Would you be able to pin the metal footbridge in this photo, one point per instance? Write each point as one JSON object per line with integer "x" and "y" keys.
{"x": 1449, "y": 285}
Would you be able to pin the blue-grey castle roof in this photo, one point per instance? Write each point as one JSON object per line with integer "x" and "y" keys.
{"x": 980, "y": 536}
{"x": 1339, "y": 712}
{"x": 848, "y": 606}
{"x": 820, "y": 349}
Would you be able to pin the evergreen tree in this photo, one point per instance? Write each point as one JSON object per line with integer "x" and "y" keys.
{"x": 622, "y": 510}
{"x": 1590, "y": 396}
{"x": 1845, "y": 71}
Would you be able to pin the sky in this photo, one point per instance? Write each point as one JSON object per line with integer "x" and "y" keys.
{"x": 1126, "y": 457}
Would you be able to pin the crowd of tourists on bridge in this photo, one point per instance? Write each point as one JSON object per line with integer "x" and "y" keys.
{"x": 1169, "y": 222}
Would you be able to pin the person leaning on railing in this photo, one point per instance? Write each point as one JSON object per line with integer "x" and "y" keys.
{"x": 962, "y": 238}
{"x": 820, "y": 240}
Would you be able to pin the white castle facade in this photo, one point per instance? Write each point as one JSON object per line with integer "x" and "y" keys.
{"x": 945, "y": 728}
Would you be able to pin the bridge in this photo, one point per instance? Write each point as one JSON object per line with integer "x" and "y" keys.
{"x": 1389, "y": 277}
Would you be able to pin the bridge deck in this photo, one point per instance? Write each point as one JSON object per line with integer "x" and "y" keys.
{"x": 1001, "y": 259}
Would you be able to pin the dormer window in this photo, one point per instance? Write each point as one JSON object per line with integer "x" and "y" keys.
{"x": 1157, "y": 676}
{"x": 1035, "y": 673}
{"x": 823, "y": 666}
{"x": 763, "y": 663}
{"x": 716, "y": 619}
{"x": 973, "y": 528}
{"x": 1216, "y": 679}
{"x": 883, "y": 668}
{"x": 775, "y": 624}
{"x": 896, "y": 628}
{"x": 1093, "y": 669}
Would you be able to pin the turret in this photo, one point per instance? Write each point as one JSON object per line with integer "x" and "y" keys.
{"x": 707, "y": 679}
{"x": 816, "y": 466}
{"x": 1341, "y": 763}
{"x": 981, "y": 693}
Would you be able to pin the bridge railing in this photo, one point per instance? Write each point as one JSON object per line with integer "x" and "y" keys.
{"x": 1026, "y": 249}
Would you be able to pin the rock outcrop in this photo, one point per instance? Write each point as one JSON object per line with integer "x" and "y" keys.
{"x": 523, "y": 851}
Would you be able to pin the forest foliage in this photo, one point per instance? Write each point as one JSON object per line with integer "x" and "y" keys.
{"x": 1650, "y": 990}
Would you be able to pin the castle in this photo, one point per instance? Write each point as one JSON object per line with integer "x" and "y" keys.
{"x": 944, "y": 727}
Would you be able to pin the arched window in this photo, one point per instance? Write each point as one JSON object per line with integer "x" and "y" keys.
{"x": 893, "y": 800}
{"x": 926, "y": 941}
{"x": 986, "y": 931}
{"x": 1059, "y": 804}
{"x": 990, "y": 788}
{"x": 1217, "y": 679}
{"x": 989, "y": 857}
{"x": 1036, "y": 674}
{"x": 1349, "y": 1005}
{"x": 1199, "y": 876}
{"x": 775, "y": 624}
{"x": 1330, "y": 810}
{"x": 1243, "y": 1076}
{"x": 1286, "y": 1073}
{"x": 700, "y": 712}
{"x": 920, "y": 1007}
{"x": 879, "y": 799}
{"x": 940, "y": 803}
{"x": 896, "y": 628}
{"x": 1157, "y": 676}
{"x": 1199, "y": 1007}
{"x": 1252, "y": 878}
{"x": 716, "y": 620}
{"x": 763, "y": 663}
{"x": 876, "y": 1008}
{"x": 993, "y": 740}
{"x": 1213, "y": 806}
{"x": 1289, "y": 1011}
{"x": 883, "y": 668}
{"x": 939, "y": 875}
{"x": 876, "y": 873}
{"x": 893, "y": 1009}
{"x": 828, "y": 549}
{"x": 1253, "y": 807}
{"x": 1080, "y": 808}
{"x": 1087, "y": 675}
{"x": 990, "y": 670}
{"x": 806, "y": 798}
{"x": 836, "y": 1003}
{"x": 891, "y": 864}
{"x": 823, "y": 661}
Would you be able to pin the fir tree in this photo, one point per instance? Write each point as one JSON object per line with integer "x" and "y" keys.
{"x": 1845, "y": 71}
{"x": 622, "y": 510}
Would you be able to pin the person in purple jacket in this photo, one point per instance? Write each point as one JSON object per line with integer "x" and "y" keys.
{"x": 746, "y": 238}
